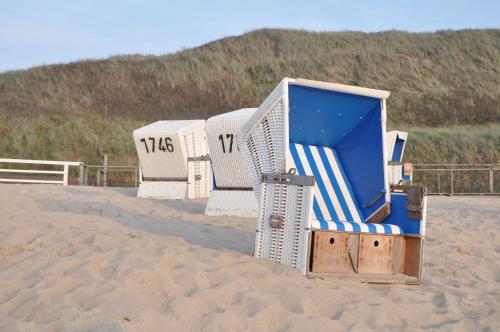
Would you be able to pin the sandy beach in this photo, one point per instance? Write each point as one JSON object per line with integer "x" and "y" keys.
{"x": 99, "y": 259}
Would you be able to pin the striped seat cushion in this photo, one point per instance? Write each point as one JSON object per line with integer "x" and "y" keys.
{"x": 334, "y": 204}
{"x": 344, "y": 226}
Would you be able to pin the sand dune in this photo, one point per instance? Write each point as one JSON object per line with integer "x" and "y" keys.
{"x": 94, "y": 259}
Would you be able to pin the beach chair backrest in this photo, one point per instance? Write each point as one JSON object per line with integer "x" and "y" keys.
{"x": 227, "y": 164}
{"x": 349, "y": 119}
{"x": 333, "y": 195}
{"x": 163, "y": 147}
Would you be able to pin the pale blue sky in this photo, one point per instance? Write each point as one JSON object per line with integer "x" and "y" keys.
{"x": 51, "y": 31}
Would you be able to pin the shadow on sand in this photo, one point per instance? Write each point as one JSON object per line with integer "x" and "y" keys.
{"x": 207, "y": 234}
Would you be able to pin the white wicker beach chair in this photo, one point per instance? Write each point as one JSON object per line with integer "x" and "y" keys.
{"x": 232, "y": 194}
{"x": 338, "y": 222}
{"x": 173, "y": 160}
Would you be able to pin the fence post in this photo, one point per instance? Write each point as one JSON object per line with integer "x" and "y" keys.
{"x": 81, "y": 174}
{"x": 451, "y": 182}
{"x": 98, "y": 178}
{"x": 105, "y": 173}
{"x": 85, "y": 175}
{"x": 439, "y": 182}
{"x": 65, "y": 176}
{"x": 135, "y": 177}
{"x": 491, "y": 181}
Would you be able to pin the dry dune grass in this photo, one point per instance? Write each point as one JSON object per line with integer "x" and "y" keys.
{"x": 93, "y": 259}
{"x": 82, "y": 109}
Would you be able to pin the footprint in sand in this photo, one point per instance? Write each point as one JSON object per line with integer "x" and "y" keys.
{"x": 253, "y": 306}
{"x": 66, "y": 252}
{"x": 84, "y": 239}
{"x": 440, "y": 303}
{"x": 191, "y": 291}
{"x": 338, "y": 314}
{"x": 470, "y": 314}
{"x": 237, "y": 298}
{"x": 12, "y": 250}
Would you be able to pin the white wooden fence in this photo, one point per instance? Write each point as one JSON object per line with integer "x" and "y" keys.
{"x": 63, "y": 172}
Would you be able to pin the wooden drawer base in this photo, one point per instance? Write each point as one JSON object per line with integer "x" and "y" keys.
{"x": 334, "y": 252}
{"x": 383, "y": 256}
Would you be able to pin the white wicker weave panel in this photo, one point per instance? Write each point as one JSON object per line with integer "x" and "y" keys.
{"x": 227, "y": 163}
{"x": 164, "y": 146}
{"x": 199, "y": 179}
{"x": 235, "y": 203}
{"x": 195, "y": 140}
{"x": 289, "y": 245}
{"x": 162, "y": 189}
{"x": 263, "y": 140}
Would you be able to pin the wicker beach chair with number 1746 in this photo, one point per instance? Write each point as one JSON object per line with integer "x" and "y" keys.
{"x": 173, "y": 160}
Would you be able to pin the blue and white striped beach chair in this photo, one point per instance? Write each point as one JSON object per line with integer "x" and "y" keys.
{"x": 316, "y": 155}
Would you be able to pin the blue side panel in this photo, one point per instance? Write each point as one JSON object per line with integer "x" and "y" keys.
{"x": 322, "y": 117}
{"x": 399, "y": 215}
{"x": 397, "y": 154}
{"x": 361, "y": 155}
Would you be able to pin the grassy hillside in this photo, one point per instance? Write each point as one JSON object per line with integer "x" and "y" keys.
{"x": 438, "y": 80}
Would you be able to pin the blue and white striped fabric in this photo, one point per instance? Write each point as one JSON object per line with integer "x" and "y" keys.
{"x": 334, "y": 205}
{"x": 333, "y": 197}
{"x": 344, "y": 226}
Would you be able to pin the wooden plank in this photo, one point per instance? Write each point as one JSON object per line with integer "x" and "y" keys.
{"x": 353, "y": 250}
{"x": 407, "y": 169}
{"x": 330, "y": 252}
{"x": 375, "y": 254}
{"x": 413, "y": 254}
{"x": 381, "y": 214}
{"x": 375, "y": 279}
{"x": 398, "y": 254}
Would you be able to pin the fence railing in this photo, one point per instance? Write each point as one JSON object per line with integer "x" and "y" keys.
{"x": 107, "y": 175}
{"x": 458, "y": 179}
{"x": 64, "y": 172}
{"x": 440, "y": 179}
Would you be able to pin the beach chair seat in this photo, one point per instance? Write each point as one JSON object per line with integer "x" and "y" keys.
{"x": 345, "y": 226}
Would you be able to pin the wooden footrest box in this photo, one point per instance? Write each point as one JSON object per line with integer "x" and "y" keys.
{"x": 369, "y": 257}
